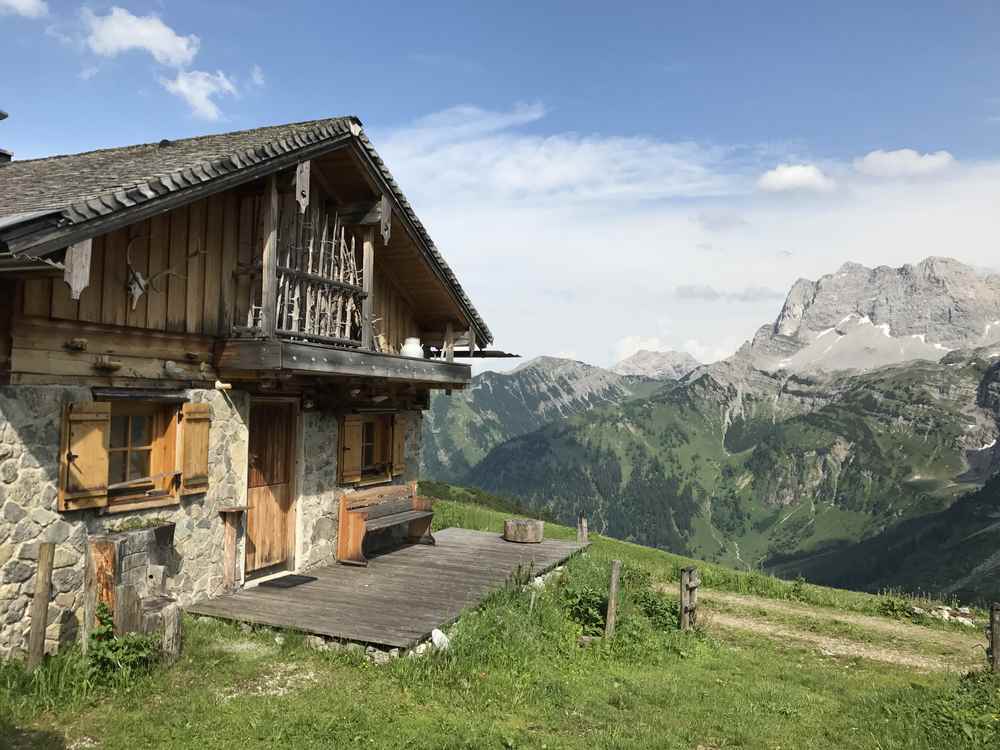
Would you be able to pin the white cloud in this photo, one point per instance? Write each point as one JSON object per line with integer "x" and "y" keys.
{"x": 257, "y": 76}
{"x": 199, "y": 89}
{"x": 789, "y": 177}
{"x": 120, "y": 31}
{"x": 88, "y": 72}
{"x": 904, "y": 162}
{"x": 597, "y": 252}
{"x": 26, "y": 8}
{"x": 474, "y": 152}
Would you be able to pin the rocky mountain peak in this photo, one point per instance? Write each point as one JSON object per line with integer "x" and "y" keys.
{"x": 668, "y": 365}
{"x": 860, "y": 317}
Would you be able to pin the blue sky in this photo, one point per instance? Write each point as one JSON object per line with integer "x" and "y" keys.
{"x": 641, "y": 174}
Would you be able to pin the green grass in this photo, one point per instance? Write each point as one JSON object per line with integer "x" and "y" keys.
{"x": 516, "y": 678}
{"x": 665, "y": 567}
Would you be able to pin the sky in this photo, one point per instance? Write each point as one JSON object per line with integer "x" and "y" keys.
{"x": 602, "y": 177}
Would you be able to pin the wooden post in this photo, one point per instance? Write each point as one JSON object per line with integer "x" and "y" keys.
{"x": 689, "y": 597}
{"x": 269, "y": 261}
{"x": 40, "y": 604}
{"x": 609, "y": 625}
{"x": 172, "y": 632}
{"x": 231, "y": 517}
{"x": 581, "y": 530}
{"x": 449, "y": 342}
{"x": 99, "y": 581}
{"x": 995, "y": 637}
{"x": 367, "y": 283}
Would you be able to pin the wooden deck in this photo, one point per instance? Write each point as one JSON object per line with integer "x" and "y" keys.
{"x": 400, "y": 597}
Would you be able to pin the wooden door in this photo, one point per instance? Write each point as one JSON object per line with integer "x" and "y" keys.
{"x": 270, "y": 492}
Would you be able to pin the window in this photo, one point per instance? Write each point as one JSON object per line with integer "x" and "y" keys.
{"x": 141, "y": 448}
{"x": 122, "y": 455}
{"x": 372, "y": 447}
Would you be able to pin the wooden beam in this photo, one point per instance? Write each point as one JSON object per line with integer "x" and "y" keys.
{"x": 367, "y": 283}
{"x": 269, "y": 269}
{"x": 449, "y": 343}
{"x": 40, "y": 604}
{"x": 239, "y": 358}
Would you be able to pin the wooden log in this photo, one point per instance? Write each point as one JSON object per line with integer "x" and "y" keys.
{"x": 523, "y": 530}
{"x": 609, "y": 624}
{"x": 99, "y": 581}
{"x": 689, "y": 597}
{"x": 173, "y": 632}
{"x": 581, "y": 530}
{"x": 40, "y": 604}
{"x": 995, "y": 637}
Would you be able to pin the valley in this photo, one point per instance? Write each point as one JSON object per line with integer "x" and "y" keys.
{"x": 770, "y": 458}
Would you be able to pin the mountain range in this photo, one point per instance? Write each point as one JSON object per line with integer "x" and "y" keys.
{"x": 833, "y": 444}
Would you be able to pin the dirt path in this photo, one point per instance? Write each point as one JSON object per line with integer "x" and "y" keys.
{"x": 906, "y": 644}
{"x": 830, "y": 646}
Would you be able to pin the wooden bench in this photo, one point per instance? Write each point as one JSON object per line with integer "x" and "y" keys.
{"x": 381, "y": 508}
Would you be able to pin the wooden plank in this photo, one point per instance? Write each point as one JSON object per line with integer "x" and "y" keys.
{"x": 213, "y": 264}
{"x": 115, "y": 292}
{"x": 269, "y": 259}
{"x": 139, "y": 255}
{"x": 230, "y": 251}
{"x": 246, "y": 257}
{"x": 367, "y": 282}
{"x": 38, "y": 297}
{"x": 177, "y": 266}
{"x": 158, "y": 256}
{"x": 401, "y": 596}
{"x": 89, "y": 309}
{"x": 63, "y": 304}
{"x": 55, "y": 335}
{"x": 195, "y": 306}
{"x": 40, "y": 604}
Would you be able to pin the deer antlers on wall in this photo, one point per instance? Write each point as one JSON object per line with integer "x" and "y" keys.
{"x": 139, "y": 283}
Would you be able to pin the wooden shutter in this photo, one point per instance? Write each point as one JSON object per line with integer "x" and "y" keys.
{"x": 398, "y": 444}
{"x": 83, "y": 460}
{"x": 196, "y": 421}
{"x": 351, "y": 427}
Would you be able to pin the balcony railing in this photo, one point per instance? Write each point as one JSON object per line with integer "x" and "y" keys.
{"x": 319, "y": 281}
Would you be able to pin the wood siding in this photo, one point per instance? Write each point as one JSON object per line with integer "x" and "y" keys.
{"x": 188, "y": 252}
{"x": 393, "y": 314}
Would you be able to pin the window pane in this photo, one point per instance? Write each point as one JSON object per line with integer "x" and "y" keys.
{"x": 138, "y": 464}
{"x": 116, "y": 467}
{"x": 368, "y": 444}
{"x": 142, "y": 431}
{"x": 119, "y": 432}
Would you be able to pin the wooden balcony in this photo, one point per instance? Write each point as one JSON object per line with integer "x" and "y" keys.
{"x": 241, "y": 358}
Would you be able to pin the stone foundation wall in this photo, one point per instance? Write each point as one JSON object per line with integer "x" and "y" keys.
{"x": 30, "y": 425}
{"x": 319, "y": 493}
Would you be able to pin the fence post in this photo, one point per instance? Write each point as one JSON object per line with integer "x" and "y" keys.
{"x": 581, "y": 529}
{"x": 995, "y": 637}
{"x": 40, "y": 604}
{"x": 690, "y": 581}
{"x": 609, "y": 625}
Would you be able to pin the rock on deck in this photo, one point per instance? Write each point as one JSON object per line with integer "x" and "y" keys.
{"x": 400, "y": 597}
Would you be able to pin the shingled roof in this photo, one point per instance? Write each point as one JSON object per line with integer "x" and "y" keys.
{"x": 71, "y": 190}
